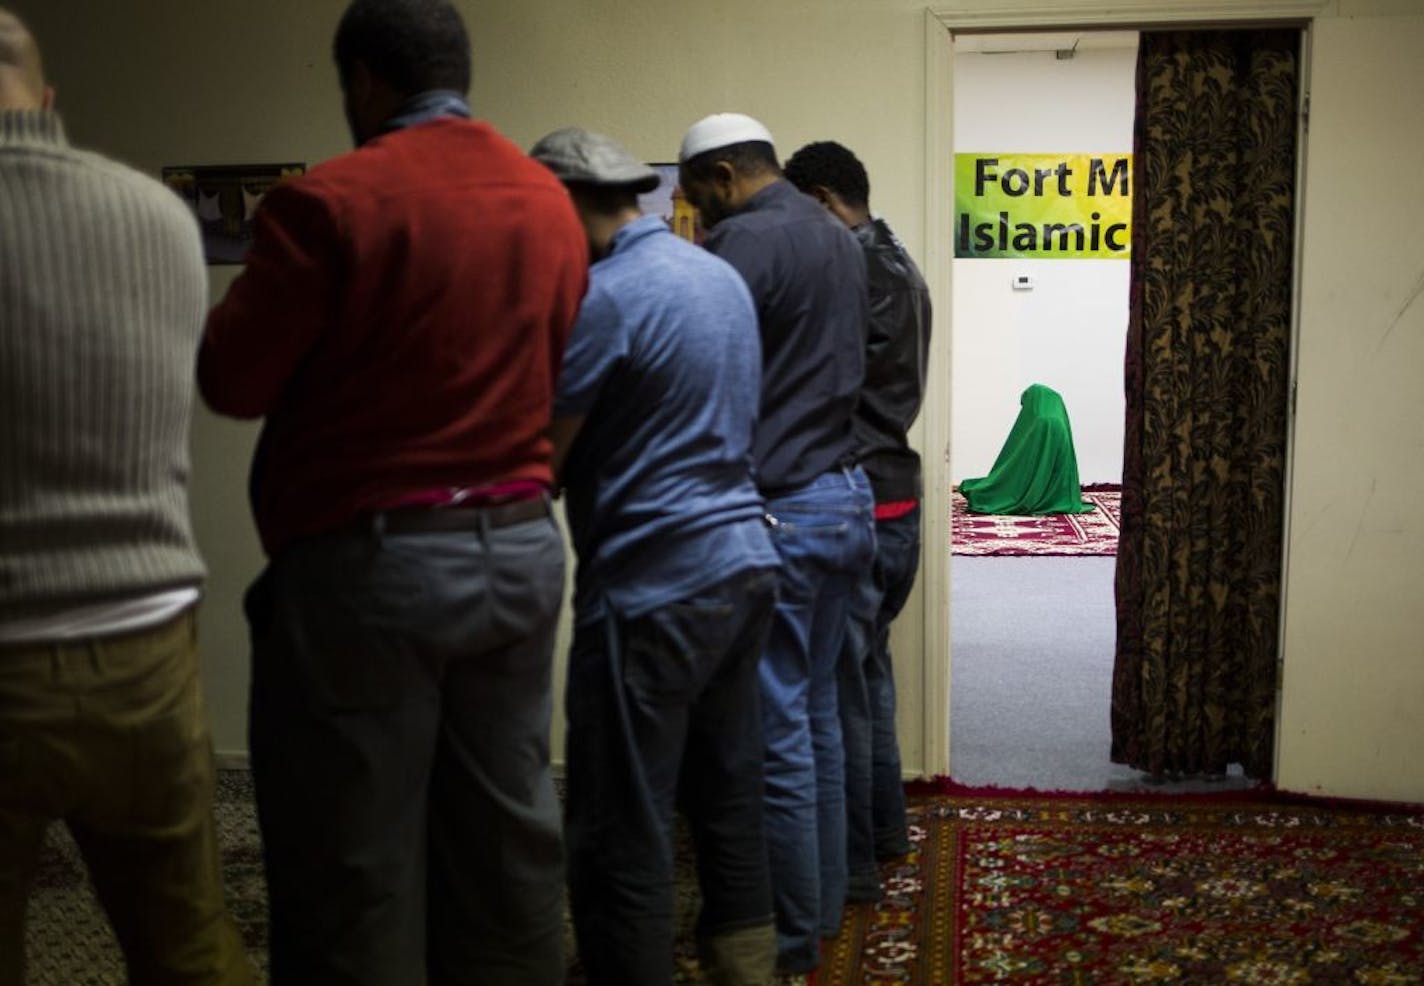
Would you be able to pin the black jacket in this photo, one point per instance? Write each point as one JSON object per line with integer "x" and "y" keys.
{"x": 895, "y": 359}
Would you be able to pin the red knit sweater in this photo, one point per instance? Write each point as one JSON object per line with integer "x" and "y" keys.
{"x": 400, "y": 323}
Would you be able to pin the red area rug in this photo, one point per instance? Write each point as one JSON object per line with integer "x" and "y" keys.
{"x": 1000, "y": 887}
{"x": 1092, "y": 533}
{"x": 1205, "y": 890}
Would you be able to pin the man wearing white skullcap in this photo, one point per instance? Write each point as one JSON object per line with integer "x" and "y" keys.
{"x": 807, "y": 277}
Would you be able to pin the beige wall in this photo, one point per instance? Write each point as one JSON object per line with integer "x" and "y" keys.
{"x": 173, "y": 82}
{"x": 643, "y": 70}
{"x": 159, "y": 82}
{"x": 1353, "y": 704}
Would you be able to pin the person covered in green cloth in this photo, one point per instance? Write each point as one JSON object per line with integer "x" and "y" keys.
{"x": 1037, "y": 469}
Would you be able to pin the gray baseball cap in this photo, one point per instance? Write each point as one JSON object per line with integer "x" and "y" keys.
{"x": 577, "y": 155}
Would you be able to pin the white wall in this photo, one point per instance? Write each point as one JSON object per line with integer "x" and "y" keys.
{"x": 1069, "y": 332}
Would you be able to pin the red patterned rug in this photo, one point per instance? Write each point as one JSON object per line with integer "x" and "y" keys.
{"x": 1000, "y": 887}
{"x": 1082, "y": 890}
{"x": 1092, "y": 533}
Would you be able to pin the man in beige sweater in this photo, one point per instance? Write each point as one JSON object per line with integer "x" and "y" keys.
{"x": 102, "y": 291}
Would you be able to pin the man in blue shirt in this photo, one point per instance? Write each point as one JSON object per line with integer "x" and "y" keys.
{"x": 807, "y": 277}
{"x": 653, "y": 426}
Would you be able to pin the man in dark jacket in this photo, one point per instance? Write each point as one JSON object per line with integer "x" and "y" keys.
{"x": 895, "y": 358}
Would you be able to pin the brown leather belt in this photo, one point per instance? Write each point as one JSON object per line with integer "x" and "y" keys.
{"x": 461, "y": 518}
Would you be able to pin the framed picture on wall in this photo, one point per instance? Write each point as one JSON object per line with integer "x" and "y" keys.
{"x": 224, "y": 197}
{"x": 667, "y": 201}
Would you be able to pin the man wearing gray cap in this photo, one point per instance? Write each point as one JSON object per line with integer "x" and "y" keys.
{"x": 807, "y": 277}
{"x": 654, "y": 415}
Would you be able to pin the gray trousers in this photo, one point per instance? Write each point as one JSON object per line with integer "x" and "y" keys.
{"x": 399, "y": 735}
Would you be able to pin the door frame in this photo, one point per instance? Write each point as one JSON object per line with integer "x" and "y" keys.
{"x": 984, "y": 16}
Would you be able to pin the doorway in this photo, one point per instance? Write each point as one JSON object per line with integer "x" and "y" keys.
{"x": 940, "y": 231}
{"x": 1033, "y": 635}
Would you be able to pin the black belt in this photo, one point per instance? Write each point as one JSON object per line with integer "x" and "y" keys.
{"x": 460, "y": 518}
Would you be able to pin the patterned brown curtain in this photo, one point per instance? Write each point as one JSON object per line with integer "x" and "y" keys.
{"x": 1198, "y": 569}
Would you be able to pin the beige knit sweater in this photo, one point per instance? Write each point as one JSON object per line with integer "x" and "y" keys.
{"x": 102, "y": 297}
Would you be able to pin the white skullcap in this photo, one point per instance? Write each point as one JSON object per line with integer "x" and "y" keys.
{"x": 721, "y": 130}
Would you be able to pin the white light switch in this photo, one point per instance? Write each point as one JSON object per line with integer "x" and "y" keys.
{"x": 1021, "y": 282}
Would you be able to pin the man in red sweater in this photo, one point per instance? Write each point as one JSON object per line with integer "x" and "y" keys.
{"x": 400, "y": 325}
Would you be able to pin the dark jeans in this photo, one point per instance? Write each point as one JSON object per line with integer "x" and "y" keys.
{"x": 399, "y": 735}
{"x": 824, "y": 534}
{"x": 875, "y": 794}
{"x": 664, "y": 712}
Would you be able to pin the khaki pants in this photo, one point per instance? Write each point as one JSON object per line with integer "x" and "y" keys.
{"x": 110, "y": 736}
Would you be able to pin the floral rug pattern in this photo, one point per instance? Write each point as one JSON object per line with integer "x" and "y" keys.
{"x": 1054, "y": 889}
{"x": 1000, "y": 887}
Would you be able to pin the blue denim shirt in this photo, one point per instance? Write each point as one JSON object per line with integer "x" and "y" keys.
{"x": 664, "y": 363}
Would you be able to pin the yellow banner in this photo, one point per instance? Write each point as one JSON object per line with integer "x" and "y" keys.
{"x": 1043, "y": 206}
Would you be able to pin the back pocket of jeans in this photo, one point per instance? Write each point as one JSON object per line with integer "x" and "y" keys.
{"x": 355, "y": 651}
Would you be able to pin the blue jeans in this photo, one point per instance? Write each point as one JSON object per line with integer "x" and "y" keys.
{"x": 399, "y": 731}
{"x": 875, "y": 795}
{"x": 824, "y": 533}
{"x": 663, "y": 711}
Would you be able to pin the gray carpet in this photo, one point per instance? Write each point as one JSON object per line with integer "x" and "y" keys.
{"x": 1032, "y": 650}
{"x": 69, "y": 941}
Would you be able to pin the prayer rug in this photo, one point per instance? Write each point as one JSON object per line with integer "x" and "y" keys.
{"x": 1078, "y": 889}
{"x": 1093, "y": 533}
{"x": 1243, "y": 887}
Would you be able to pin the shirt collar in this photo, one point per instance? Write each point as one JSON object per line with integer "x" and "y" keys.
{"x": 426, "y": 106}
{"x": 778, "y": 189}
{"x": 32, "y": 127}
{"x": 638, "y": 229}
